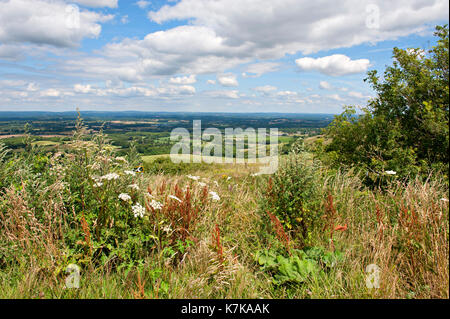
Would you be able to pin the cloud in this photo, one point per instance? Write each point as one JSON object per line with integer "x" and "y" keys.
{"x": 274, "y": 28}
{"x": 334, "y": 65}
{"x": 358, "y": 95}
{"x": 223, "y": 34}
{"x": 258, "y": 69}
{"x": 124, "y": 19}
{"x": 143, "y": 4}
{"x": 229, "y": 94}
{"x": 227, "y": 80}
{"x": 98, "y": 3}
{"x": 50, "y": 93}
{"x": 265, "y": 89}
{"x": 80, "y": 88}
{"x": 212, "y": 82}
{"x": 183, "y": 80}
{"x": 324, "y": 85}
{"x": 135, "y": 90}
{"x": 336, "y": 97}
{"x": 287, "y": 94}
{"x": 47, "y": 22}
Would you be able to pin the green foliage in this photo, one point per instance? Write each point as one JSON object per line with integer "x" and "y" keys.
{"x": 293, "y": 196}
{"x": 406, "y": 127}
{"x": 164, "y": 165}
{"x": 298, "y": 267}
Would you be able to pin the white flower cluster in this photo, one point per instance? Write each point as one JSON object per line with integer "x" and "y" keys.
{"x": 110, "y": 177}
{"x": 97, "y": 181}
{"x": 125, "y": 197}
{"x": 138, "y": 210}
{"x": 156, "y": 205}
{"x": 215, "y": 196}
{"x": 391, "y": 172}
{"x": 134, "y": 186}
{"x": 195, "y": 178}
{"x": 130, "y": 173}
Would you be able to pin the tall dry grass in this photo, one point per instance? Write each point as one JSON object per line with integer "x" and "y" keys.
{"x": 404, "y": 230}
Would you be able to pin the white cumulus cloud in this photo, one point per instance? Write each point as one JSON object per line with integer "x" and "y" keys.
{"x": 183, "y": 80}
{"x": 227, "y": 80}
{"x": 334, "y": 65}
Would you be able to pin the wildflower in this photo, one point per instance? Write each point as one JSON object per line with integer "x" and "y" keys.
{"x": 110, "y": 177}
{"x": 175, "y": 198}
{"x": 97, "y": 182}
{"x": 202, "y": 184}
{"x": 215, "y": 196}
{"x": 138, "y": 210}
{"x": 121, "y": 159}
{"x": 444, "y": 200}
{"x": 130, "y": 173}
{"x": 167, "y": 229}
{"x": 134, "y": 186}
{"x": 156, "y": 205}
{"x": 125, "y": 197}
{"x": 195, "y": 178}
{"x": 391, "y": 172}
{"x": 95, "y": 166}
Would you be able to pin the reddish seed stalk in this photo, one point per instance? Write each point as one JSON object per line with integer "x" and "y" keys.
{"x": 279, "y": 230}
{"x": 216, "y": 242}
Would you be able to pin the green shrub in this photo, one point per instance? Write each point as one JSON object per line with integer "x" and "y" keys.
{"x": 164, "y": 165}
{"x": 293, "y": 196}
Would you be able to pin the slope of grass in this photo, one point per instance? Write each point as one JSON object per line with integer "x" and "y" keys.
{"x": 198, "y": 246}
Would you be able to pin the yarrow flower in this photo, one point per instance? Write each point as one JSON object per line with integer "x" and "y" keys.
{"x": 391, "y": 172}
{"x": 175, "y": 198}
{"x": 138, "y": 210}
{"x": 110, "y": 177}
{"x": 125, "y": 197}
{"x": 134, "y": 186}
{"x": 97, "y": 182}
{"x": 215, "y": 196}
{"x": 156, "y": 205}
{"x": 130, "y": 173}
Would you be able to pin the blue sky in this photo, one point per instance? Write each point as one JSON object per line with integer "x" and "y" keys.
{"x": 293, "y": 56}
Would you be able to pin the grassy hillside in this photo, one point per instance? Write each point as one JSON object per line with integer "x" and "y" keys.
{"x": 214, "y": 231}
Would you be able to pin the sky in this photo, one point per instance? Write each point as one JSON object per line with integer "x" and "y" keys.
{"x": 286, "y": 56}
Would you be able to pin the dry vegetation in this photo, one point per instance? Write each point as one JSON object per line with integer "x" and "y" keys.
{"x": 196, "y": 246}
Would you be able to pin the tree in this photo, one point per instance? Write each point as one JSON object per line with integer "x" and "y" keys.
{"x": 405, "y": 127}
